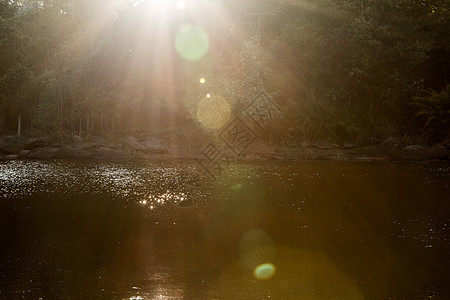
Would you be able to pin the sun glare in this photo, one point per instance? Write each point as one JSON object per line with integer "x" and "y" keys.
{"x": 181, "y": 5}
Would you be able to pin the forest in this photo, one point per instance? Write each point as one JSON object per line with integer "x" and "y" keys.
{"x": 341, "y": 70}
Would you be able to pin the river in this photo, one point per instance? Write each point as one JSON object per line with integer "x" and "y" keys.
{"x": 269, "y": 230}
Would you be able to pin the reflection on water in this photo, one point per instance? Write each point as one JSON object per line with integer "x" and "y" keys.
{"x": 304, "y": 230}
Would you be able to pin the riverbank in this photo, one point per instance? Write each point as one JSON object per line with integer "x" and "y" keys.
{"x": 183, "y": 147}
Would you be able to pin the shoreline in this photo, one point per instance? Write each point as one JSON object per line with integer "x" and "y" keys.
{"x": 169, "y": 148}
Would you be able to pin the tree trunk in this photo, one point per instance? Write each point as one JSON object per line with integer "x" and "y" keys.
{"x": 61, "y": 114}
{"x": 31, "y": 119}
{"x": 101, "y": 122}
{"x": 19, "y": 125}
{"x": 79, "y": 131}
{"x": 2, "y": 119}
{"x": 88, "y": 129}
{"x": 60, "y": 107}
{"x": 112, "y": 123}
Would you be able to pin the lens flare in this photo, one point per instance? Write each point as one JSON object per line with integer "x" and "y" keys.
{"x": 213, "y": 112}
{"x": 236, "y": 186}
{"x": 202, "y": 80}
{"x": 191, "y": 42}
{"x": 264, "y": 271}
{"x": 256, "y": 247}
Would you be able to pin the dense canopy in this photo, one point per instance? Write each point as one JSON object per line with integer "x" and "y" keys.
{"x": 340, "y": 70}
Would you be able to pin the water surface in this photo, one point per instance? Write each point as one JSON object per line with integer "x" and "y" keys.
{"x": 139, "y": 230}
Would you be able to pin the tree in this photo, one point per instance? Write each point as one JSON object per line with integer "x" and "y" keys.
{"x": 340, "y": 69}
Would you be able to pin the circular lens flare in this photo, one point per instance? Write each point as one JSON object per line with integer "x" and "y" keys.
{"x": 213, "y": 112}
{"x": 202, "y": 80}
{"x": 191, "y": 42}
{"x": 264, "y": 271}
{"x": 236, "y": 186}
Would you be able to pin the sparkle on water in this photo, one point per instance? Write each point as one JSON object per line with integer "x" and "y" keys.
{"x": 151, "y": 187}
